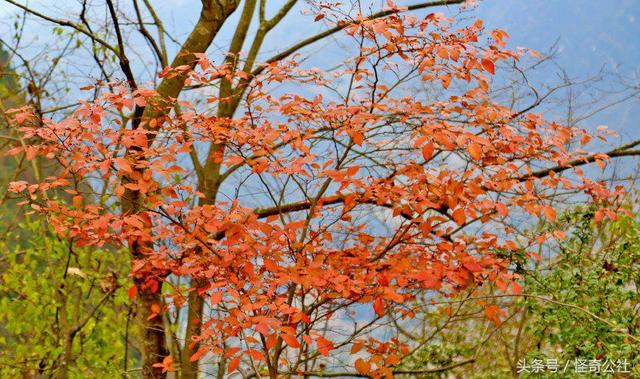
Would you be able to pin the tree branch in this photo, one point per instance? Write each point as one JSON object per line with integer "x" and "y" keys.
{"x": 64, "y": 23}
{"x": 213, "y": 15}
{"x": 622, "y": 151}
{"x": 124, "y": 61}
{"x": 337, "y": 28}
{"x": 329, "y": 200}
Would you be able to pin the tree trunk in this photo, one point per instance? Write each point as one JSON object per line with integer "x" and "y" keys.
{"x": 154, "y": 347}
{"x": 189, "y": 369}
{"x": 214, "y": 14}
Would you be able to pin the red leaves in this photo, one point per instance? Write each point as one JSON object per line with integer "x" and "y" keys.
{"x": 300, "y": 316}
{"x": 549, "y": 213}
{"x": 445, "y": 79}
{"x": 357, "y": 346}
{"x": 378, "y": 306}
{"x": 516, "y": 288}
{"x": 291, "y": 340}
{"x": 488, "y": 66}
{"x": 559, "y": 234}
{"x": 233, "y": 364}
{"x": 166, "y": 365}
{"x": 133, "y": 290}
{"x": 135, "y": 221}
{"x": 18, "y": 186}
{"x": 499, "y": 36}
{"x": 475, "y": 151}
{"x": 31, "y": 153}
{"x": 459, "y": 216}
{"x": 427, "y": 151}
{"x": 14, "y": 151}
{"x": 21, "y": 117}
{"x": 123, "y": 164}
{"x": 351, "y": 171}
{"x": 494, "y": 313}
{"x": 199, "y": 354}
{"x": 502, "y": 209}
{"x": 77, "y": 201}
{"x": 155, "y": 311}
{"x": 215, "y": 298}
{"x": 601, "y": 213}
{"x": 443, "y": 53}
{"x": 255, "y": 354}
{"x": 324, "y": 345}
{"x": 363, "y": 367}
{"x": 535, "y": 54}
{"x": 392, "y": 360}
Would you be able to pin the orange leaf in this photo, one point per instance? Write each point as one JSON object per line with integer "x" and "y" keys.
{"x": 357, "y": 346}
{"x": 502, "y": 209}
{"x": 290, "y": 340}
{"x": 443, "y": 53}
{"x": 493, "y": 313}
{"x": 231, "y": 351}
{"x": 392, "y": 360}
{"x": 133, "y": 290}
{"x": 559, "y": 234}
{"x": 488, "y": 66}
{"x": 199, "y": 354}
{"x": 32, "y": 151}
{"x": 427, "y": 151}
{"x": 216, "y": 297}
{"x": 550, "y": 213}
{"x": 324, "y": 345}
{"x": 77, "y": 202}
{"x": 233, "y": 364}
{"x": 14, "y": 151}
{"x": 516, "y": 288}
{"x": 362, "y": 366}
{"x": 255, "y": 354}
{"x": 459, "y": 217}
{"x": 535, "y": 54}
{"x": 378, "y": 306}
{"x": 475, "y": 150}
{"x": 167, "y": 364}
{"x": 123, "y": 164}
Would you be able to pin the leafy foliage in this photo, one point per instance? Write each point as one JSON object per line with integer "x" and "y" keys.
{"x": 63, "y": 309}
{"x": 598, "y": 270}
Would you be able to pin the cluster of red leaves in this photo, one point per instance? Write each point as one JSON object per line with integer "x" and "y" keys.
{"x": 436, "y": 171}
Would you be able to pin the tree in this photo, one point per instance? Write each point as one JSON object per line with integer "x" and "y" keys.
{"x": 370, "y": 191}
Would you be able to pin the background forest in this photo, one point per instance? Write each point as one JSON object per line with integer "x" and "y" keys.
{"x": 557, "y": 295}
